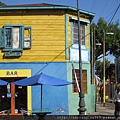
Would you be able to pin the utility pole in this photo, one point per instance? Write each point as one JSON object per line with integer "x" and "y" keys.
{"x": 104, "y": 71}
{"x": 104, "y": 82}
{"x": 81, "y": 108}
{"x": 94, "y": 52}
{"x": 92, "y": 60}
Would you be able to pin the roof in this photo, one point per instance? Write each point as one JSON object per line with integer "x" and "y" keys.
{"x": 27, "y": 5}
{"x": 42, "y": 6}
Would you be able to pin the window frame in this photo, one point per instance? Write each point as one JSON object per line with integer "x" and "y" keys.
{"x": 84, "y": 80}
{"x": 20, "y": 37}
{"x": 27, "y": 27}
{"x": 6, "y": 41}
{"x": 14, "y": 49}
{"x": 75, "y": 32}
{"x": 83, "y": 23}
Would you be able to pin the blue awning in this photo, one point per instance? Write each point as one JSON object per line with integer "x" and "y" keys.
{"x": 42, "y": 79}
{"x": 2, "y": 83}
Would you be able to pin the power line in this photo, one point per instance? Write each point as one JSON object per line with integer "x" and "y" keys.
{"x": 58, "y": 55}
{"x": 72, "y": 44}
{"x": 114, "y": 14}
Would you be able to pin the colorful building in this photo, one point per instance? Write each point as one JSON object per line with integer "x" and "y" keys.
{"x": 43, "y": 38}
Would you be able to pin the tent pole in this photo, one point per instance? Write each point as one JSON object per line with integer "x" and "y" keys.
{"x": 41, "y": 99}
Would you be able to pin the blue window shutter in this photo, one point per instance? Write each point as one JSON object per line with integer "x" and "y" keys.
{"x": 27, "y": 37}
{"x": 1, "y": 38}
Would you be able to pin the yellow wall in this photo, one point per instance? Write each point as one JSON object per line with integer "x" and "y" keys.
{"x": 87, "y": 37}
{"x": 48, "y": 34}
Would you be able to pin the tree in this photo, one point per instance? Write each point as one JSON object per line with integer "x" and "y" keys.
{"x": 2, "y": 4}
{"x": 99, "y": 67}
{"x": 112, "y": 41}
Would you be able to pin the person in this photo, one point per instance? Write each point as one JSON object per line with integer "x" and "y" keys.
{"x": 115, "y": 98}
{"x": 117, "y": 101}
{"x": 98, "y": 91}
{"x": 101, "y": 93}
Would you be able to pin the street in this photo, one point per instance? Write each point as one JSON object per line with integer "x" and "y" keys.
{"x": 107, "y": 110}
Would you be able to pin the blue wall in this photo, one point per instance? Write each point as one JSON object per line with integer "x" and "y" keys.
{"x": 53, "y": 97}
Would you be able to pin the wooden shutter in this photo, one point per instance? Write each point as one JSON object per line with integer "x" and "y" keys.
{"x": 27, "y": 37}
{"x": 1, "y": 38}
{"x": 84, "y": 80}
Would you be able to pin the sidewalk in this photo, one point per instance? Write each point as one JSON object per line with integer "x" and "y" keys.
{"x": 107, "y": 110}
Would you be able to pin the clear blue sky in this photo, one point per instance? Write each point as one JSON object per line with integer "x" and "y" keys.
{"x": 101, "y": 8}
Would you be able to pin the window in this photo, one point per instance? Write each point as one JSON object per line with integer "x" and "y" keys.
{"x": 27, "y": 37}
{"x": 12, "y": 39}
{"x": 15, "y": 38}
{"x": 75, "y": 33}
{"x": 8, "y": 37}
{"x": 84, "y": 80}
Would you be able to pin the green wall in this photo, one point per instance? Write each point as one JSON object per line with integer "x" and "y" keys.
{"x": 73, "y": 98}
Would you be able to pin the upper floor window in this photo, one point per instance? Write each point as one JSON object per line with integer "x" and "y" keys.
{"x": 75, "y": 33}
{"x": 15, "y": 38}
{"x": 12, "y": 37}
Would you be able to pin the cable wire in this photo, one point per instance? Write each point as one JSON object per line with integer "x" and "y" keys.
{"x": 58, "y": 55}
{"x": 114, "y": 14}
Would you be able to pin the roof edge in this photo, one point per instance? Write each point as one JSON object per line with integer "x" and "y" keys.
{"x": 46, "y": 6}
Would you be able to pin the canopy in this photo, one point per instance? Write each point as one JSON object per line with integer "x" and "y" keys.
{"x": 40, "y": 80}
{"x": 2, "y": 83}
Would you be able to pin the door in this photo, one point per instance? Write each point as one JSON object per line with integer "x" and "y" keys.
{"x": 13, "y": 98}
{"x": 5, "y": 102}
{"x": 20, "y": 98}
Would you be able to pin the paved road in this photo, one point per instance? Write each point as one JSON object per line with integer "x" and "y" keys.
{"x": 107, "y": 110}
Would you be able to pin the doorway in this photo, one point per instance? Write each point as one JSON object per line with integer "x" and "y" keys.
{"x": 13, "y": 97}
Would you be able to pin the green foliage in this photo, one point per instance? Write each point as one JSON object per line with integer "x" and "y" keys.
{"x": 99, "y": 67}
{"x": 112, "y": 42}
{"x": 2, "y": 4}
